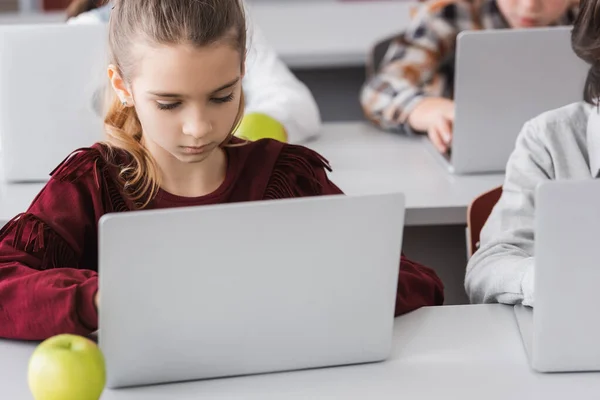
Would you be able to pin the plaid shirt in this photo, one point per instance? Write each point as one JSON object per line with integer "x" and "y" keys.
{"x": 419, "y": 63}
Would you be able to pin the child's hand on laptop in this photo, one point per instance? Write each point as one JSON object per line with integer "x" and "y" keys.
{"x": 434, "y": 115}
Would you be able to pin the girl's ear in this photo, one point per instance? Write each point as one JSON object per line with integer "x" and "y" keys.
{"x": 119, "y": 86}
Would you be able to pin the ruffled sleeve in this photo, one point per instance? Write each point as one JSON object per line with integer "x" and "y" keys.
{"x": 300, "y": 172}
{"x": 418, "y": 286}
{"x": 48, "y": 254}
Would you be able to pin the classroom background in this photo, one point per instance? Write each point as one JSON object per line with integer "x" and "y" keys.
{"x": 477, "y": 349}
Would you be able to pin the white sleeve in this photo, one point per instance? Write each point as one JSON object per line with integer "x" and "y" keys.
{"x": 272, "y": 89}
{"x": 502, "y": 270}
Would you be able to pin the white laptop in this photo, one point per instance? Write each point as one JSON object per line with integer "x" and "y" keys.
{"x": 48, "y": 75}
{"x": 504, "y": 78}
{"x": 237, "y": 289}
{"x": 562, "y": 332}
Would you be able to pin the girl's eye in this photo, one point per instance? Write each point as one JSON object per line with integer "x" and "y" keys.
{"x": 167, "y": 106}
{"x": 220, "y": 100}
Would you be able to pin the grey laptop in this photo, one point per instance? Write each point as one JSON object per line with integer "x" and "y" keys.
{"x": 48, "y": 76}
{"x": 561, "y": 333}
{"x": 247, "y": 288}
{"x": 503, "y": 79}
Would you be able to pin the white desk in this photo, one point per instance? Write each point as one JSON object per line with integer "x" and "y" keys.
{"x": 328, "y": 34}
{"x": 463, "y": 352}
{"x": 365, "y": 160}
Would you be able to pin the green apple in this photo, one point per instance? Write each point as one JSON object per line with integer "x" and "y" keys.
{"x": 255, "y": 126}
{"x": 67, "y": 367}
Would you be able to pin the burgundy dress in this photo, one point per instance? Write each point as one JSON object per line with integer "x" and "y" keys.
{"x": 49, "y": 254}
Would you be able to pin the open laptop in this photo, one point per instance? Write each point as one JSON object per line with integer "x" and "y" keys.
{"x": 561, "y": 333}
{"x": 237, "y": 289}
{"x": 49, "y": 75}
{"x": 503, "y": 79}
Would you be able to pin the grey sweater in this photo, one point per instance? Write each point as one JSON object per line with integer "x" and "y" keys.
{"x": 559, "y": 144}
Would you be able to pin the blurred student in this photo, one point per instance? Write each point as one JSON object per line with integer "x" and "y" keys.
{"x": 412, "y": 89}
{"x": 562, "y": 144}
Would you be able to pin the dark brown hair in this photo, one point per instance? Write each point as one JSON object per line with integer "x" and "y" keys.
{"x": 585, "y": 40}
{"x": 161, "y": 22}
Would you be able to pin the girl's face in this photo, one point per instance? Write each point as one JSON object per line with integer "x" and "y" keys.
{"x": 187, "y": 98}
{"x": 533, "y": 13}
